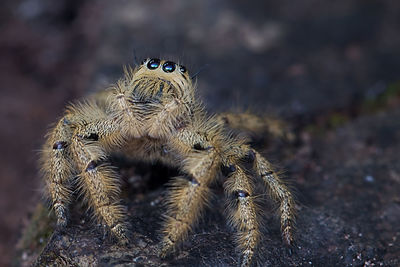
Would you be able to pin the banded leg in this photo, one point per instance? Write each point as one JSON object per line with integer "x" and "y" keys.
{"x": 101, "y": 185}
{"x": 243, "y": 213}
{"x": 56, "y": 161}
{"x": 188, "y": 198}
{"x": 279, "y": 191}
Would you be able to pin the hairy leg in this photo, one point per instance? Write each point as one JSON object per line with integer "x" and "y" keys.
{"x": 258, "y": 125}
{"x": 91, "y": 131}
{"x": 280, "y": 192}
{"x": 243, "y": 213}
{"x": 58, "y": 169}
{"x": 188, "y": 197}
{"x": 101, "y": 186}
{"x": 277, "y": 188}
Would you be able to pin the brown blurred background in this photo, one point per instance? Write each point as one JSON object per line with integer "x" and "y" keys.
{"x": 294, "y": 58}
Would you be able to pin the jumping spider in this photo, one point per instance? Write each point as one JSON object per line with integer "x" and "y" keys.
{"x": 152, "y": 114}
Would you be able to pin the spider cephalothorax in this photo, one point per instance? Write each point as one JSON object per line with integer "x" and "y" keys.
{"x": 152, "y": 115}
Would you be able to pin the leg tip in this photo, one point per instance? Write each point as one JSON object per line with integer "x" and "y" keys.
{"x": 289, "y": 242}
{"x": 246, "y": 261}
{"x": 166, "y": 248}
{"x": 123, "y": 241}
{"x": 62, "y": 223}
{"x": 121, "y": 233}
{"x": 287, "y": 235}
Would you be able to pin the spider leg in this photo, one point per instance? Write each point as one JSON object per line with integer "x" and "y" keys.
{"x": 243, "y": 212}
{"x": 259, "y": 125}
{"x": 101, "y": 185}
{"x": 57, "y": 167}
{"x": 188, "y": 197}
{"x": 279, "y": 191}
{"x": 94, "y": 134}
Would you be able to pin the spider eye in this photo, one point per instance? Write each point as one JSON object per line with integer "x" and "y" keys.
{"x": 153, "y": 63}
{"x": 169, "y": 66}
{"x": 143, "y": 61}
{"x": 182, "y": 69}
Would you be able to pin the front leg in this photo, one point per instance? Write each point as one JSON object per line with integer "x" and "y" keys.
{"x": 100, "y": 185}
{"x": 95, "y": 133}
{"x": 58, "y": 169}
{"x": 188, "y": 196}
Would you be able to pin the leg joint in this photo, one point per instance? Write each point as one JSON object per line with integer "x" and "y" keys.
{"x": 267, "y": 173}
{"x": 59, "y": 145}
{"x": 250, "y": 156}
{"x": 90, "y": 136}
{"x": 228, "y": 170}
{"x": 200, "y": 147}
{"x": 193, "y": 180}
{"x": 91, "y": 165}
{"x": 241, "y": 194}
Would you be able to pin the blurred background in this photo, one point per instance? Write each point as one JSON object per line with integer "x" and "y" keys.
{"x": 296, "y": 59}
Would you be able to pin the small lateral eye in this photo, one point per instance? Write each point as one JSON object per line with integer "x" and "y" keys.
{"x": 182, "y": 69}
{"x": 143, "y": 61}
{"x": 153, "y": 63}
{"x": 169, "y": 66}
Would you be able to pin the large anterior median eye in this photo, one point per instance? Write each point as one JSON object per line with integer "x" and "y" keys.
{"x": 169, "y": 66}
{"x": 153, "y": 63}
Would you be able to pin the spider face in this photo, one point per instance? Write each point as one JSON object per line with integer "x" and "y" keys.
{"x": 172, "y": 78}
